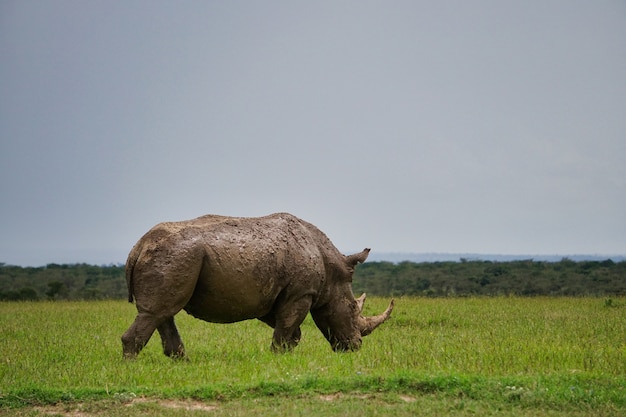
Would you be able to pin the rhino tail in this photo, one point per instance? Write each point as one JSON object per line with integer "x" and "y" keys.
{"x": 130, "y": 267}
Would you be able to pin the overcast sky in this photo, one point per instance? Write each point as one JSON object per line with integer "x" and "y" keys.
{"x": 405, "y": 126}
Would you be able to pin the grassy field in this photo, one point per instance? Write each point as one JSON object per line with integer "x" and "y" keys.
{"x": 457, "y": 356}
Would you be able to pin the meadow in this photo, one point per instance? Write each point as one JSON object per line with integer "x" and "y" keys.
{"x": 446, "y": 356}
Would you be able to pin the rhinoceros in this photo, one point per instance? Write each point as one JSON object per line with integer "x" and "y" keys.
{"x": 219, "y": 269}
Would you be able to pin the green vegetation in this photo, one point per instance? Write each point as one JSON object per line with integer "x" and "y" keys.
{"x": 62, "y": 282}
{"x": 524, "y": 278}
{"x": 540, "y": 356}
{"x": 436, "y": 279}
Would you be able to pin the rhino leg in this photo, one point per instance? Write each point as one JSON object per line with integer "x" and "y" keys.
{"x": 287, "y": 320}
{"x": 138, "y": 334}
{"x": 160, "y": 293}
{"x": 271, "y": 321}
{"x": 170, "y": 338}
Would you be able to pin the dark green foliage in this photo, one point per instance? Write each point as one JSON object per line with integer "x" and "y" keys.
{"x": 430, "y": 279}
{"x": 62, "y": 282}
{"x": 526, "y": 278}
{"x": 56, "y": 289}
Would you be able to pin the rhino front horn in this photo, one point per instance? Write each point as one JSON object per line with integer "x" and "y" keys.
{"x": 368, "y": 324}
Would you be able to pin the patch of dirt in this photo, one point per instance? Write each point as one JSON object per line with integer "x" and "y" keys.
{"x": 408, "y": 399}
{"x": 338, "y": 395}
{"x": 62, "y": 410}
{"x": 188, "y": 405}
{"x": 330, "y": 397}
{"x": 92, "y": 409}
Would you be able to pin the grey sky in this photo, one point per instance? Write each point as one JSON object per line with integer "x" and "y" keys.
{"x": 440, "y": 126}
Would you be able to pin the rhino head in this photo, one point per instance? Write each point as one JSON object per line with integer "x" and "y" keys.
{"x": 341, "y": 318}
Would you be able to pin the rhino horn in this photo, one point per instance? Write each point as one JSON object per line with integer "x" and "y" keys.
{"x": 360, "y": 301}
{"x": 357, "y": 258}
{"x": 368, "y": 324}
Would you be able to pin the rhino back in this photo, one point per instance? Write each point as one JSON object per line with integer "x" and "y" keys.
{"x": 249, "y": 263}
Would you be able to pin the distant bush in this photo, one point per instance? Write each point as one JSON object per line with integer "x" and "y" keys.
{"x": 62, "y": 282}
{"x": 525, "y": 278}
{"x": 428, "y": 279}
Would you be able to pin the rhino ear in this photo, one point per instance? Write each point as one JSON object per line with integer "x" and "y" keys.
{"x": 357, "y": 258}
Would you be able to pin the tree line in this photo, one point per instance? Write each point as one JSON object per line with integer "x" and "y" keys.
{"x": 427, "y": 279}
{"x": 486, "y": 278}
{"x": 62, "y": 282}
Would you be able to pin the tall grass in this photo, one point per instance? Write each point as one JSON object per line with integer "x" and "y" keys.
{"x": 560, "y": 349}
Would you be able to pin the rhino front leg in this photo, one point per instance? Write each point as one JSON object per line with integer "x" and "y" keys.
{"x": 170, "y": 338}
{"x": 289, "y": 316}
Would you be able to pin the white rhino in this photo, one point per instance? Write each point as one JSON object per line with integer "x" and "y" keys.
{"x": 276, "y": 268}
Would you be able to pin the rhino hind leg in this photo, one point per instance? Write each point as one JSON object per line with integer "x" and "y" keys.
{"x": 138, "y": 334}
{"x": 170, "y": 338}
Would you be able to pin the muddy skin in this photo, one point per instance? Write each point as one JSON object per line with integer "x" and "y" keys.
{"x": 219, "y": 269}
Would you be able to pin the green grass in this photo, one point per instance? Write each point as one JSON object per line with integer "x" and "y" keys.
{"x": 458, "y": 356}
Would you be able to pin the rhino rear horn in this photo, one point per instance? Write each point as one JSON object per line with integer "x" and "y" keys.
{"x": 360, "y": 301}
